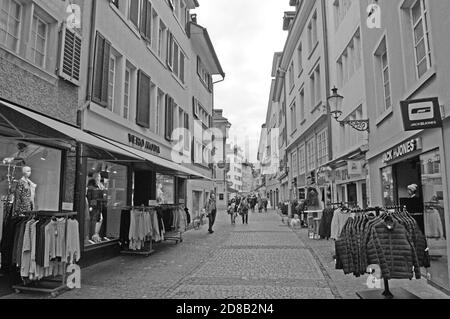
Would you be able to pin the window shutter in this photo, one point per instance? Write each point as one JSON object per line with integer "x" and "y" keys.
{"x": 70, "y": 60}
{"x": 169, "y": 118}
{"x": 143, "y": 103}
{"x": 101, "y": 71}
{"x": 195, "y": 109}
{"x": 105, "y": 78}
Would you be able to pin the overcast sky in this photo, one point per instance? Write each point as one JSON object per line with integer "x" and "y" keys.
{"x": 245, "y": 35}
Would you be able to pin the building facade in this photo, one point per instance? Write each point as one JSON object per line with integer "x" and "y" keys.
{"x": 221, "y": 168}
{"x": 234, "y": 176}
{"x": 149, "y": 91}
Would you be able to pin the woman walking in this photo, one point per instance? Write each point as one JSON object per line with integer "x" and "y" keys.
{"x": 243, "y": 210}
{"x": 232, "y": 212}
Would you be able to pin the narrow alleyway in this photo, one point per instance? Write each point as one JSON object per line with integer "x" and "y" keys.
{"x": 264, "y": 259}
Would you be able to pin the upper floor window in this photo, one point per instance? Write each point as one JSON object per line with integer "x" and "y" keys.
{"x": 419, "y": 17}
{"x": 293, "y": 118}
{"x": 311, "y": 154}
{"x": 302, "y": 105}
{"x": 294, "y": 164}
{"x": 350, "y": 60}
{"x": 204, "y": 75}
{"x": 39, "y": 41}
{"x": 383, "y": 77}
{"x": 315, "y": 87}
{"x": 341, "y": 8}
{"x": 176, "y": 58}
{"x": 10, "y": 24}
{"x": 300, "y": 58}
{"x": 302, "y": 160}
{"x": 133, "y": 12}
{"x": 322, "y": 147}
{"x": 312, "y": 32}
{"x": 291, "y": 75}
{"x": 127, "y": 93}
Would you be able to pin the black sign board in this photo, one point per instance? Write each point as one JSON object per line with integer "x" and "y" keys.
{"x": 421, "y": 114}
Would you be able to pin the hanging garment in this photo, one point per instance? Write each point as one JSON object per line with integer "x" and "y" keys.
{"x": 26, "y": 250}
{"x": 433, "y": 224}
{"x": 73, "y": 250}
{"x": 325, "y": 223}
{"x": 24, "y": 196}
{"x": 337, "y": 223}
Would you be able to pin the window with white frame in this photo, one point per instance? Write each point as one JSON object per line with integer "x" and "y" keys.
{"x": 10, "y": 24}
{"x": 294, "y": 164}
{"x": 312, "y": 32}
{"x": 39, "y": 31}
{"x": 127, "y": 94}
{"x": 341, "y": 8}
{"x": 159, "y": 111}
{"x": 322, "y": 147}
{"x": 155, "y": 30}
{"x": 301, "y": 160}
{"x": 176, "y": 58}
{"x": 422, "y": 48}
{"x": 350, "y": 60}
{"x": 302, "y": 105}
{"x": 381, "y": 56}
{"x": 293, "y": 118}
{"x": 300, "y": 58}
{"x": 133, "y": 12}
{"x": 311, "y": 154}
{"x": 204, "y": 75}
{"x": 315, "y": 88}
{"x": 162, "y": 34}
{"x": 291, "y": 75}
{"x": 111, "y": 82}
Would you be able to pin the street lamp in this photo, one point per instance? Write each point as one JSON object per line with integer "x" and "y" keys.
{"x": 335, "y": 102}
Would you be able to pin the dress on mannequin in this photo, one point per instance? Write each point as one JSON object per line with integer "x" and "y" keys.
{"x": 24, "y": 194}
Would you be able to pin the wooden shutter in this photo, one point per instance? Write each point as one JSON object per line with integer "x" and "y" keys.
{"x": 143, "y": 102}
{"x": 101, "y": 71}
{"x": 70, "y": 59}
{"x": 169, "y": 118}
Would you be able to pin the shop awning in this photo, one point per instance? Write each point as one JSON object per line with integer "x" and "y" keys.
{"x": 63, "y": 131}
{"x": 158, "y": 161}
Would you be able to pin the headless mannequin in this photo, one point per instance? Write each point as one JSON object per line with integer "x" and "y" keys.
{"x": 160, "y": 194}
{"x": 98, "y": 185}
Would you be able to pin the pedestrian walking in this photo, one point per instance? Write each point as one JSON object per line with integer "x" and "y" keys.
{"x": 265, "y": 203}
{"x": 211, "y": 211}
{"x": 243, "y": 210}
{"x": 260, "y": 204}
{"x": 232, "y": 213}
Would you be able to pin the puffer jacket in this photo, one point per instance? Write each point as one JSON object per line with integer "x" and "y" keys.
{"x": 390, "y": 248}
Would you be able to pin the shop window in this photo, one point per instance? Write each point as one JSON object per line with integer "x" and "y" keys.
{"x": 45, "y": 166}
{"x": 106, "y": 195}
{"x": 165, "y": 189}
{"x": 387, "y": 182}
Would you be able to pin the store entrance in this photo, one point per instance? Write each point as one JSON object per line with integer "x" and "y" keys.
{"x": 352, "y": 193}
{"x": 144, "y": 187}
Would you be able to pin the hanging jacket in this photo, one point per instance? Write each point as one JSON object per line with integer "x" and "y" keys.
{"x": 390, "y": 248}
{"x": 337, "y": 223}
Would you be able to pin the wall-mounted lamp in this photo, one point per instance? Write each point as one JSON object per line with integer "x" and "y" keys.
{"x": 335, "y": 102}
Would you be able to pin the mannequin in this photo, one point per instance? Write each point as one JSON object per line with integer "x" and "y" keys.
{"x": 97, "y": 198}
{"x": 412, "y": 190}
{"x": 160, "y": 194}
{"x": 25, "y": 193}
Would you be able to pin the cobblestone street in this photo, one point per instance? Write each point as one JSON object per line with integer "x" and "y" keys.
{"x": 264, "y": 259}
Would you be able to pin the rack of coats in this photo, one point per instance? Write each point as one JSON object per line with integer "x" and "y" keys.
{"x": 388, "y": 238}
{"x": 38, "y": 246}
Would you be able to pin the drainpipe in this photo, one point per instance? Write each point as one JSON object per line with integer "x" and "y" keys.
{"x": 327, "y": 81}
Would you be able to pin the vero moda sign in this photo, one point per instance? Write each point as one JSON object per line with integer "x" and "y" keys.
{"x": 421, "y": 114}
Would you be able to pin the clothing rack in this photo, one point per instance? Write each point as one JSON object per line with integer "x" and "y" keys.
{"x": 148, "y": 246}
{"x": 47, "y": 285}
{"x": 397, "y": 293}
{"x": 175, "y": 236}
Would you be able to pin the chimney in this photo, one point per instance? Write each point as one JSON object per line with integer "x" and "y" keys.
{"x": 194, "y": 18}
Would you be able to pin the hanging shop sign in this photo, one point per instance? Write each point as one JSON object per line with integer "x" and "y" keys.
{"x": 355, "y": 167}
{"x": 421, "y": 114}
{"x": 402, "y": 150}
{"x": 143, "y": 144}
